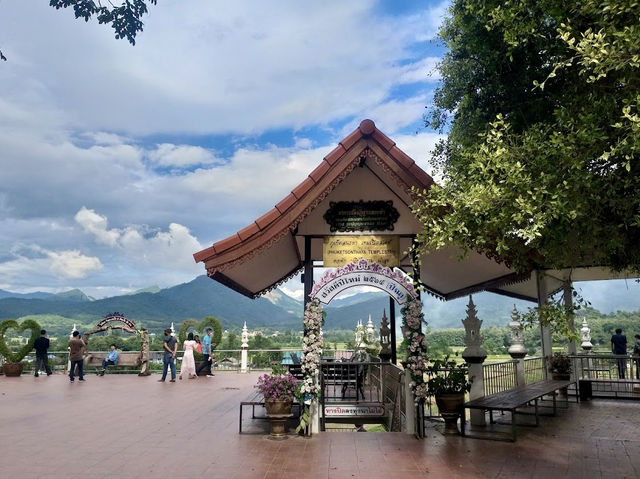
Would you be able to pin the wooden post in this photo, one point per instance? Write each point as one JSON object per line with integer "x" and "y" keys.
{"x": 308, "y": 270}
{"x": 568, "y": 304}
{"x": 392, "y": 327}
{"x": 545, "y": 331}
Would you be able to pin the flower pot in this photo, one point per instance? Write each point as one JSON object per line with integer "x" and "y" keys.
{"x": 278, "y": 413}
{"x": 450, "y": 407}
{"x": 12, "y": 370}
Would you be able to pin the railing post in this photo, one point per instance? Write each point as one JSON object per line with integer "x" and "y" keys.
{"x": 245, "y": 347}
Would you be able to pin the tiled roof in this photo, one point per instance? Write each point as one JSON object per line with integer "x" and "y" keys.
{"x": 285, "y": 214}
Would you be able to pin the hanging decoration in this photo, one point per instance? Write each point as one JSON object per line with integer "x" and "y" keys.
{"x": 414, "y": 339}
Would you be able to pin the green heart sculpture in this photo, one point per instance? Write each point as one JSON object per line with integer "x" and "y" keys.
{"x": 18, "y": 356}
{"x": 208, "y": 322}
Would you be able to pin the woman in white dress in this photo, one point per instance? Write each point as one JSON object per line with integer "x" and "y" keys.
{"x": 188, "y": 365}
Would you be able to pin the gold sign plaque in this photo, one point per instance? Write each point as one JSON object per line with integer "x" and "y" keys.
{"x": 341, "y": 250}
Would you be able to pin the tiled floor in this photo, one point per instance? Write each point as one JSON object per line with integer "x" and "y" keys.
{"x": 129, "y": 427}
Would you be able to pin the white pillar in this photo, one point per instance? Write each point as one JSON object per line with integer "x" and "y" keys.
{"x": 476, "y": 374}
{"x": 409, "y": 405}
{"x": 244, "y": 355}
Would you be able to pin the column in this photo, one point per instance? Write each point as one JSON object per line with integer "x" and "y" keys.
{"x": 474, "y": 354}
{"x": 517, "y": 350}
{"x": 245, "y": 348}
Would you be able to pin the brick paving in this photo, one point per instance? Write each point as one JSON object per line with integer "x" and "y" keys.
{"x": 122, "y": 426}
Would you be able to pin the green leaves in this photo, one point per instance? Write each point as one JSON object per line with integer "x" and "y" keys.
{"x": 541, "y": 163}
{"x": 124, "y": 19}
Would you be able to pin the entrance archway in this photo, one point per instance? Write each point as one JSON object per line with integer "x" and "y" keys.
{"x": 317, "y": 375}
{"x": 119, "y": 321}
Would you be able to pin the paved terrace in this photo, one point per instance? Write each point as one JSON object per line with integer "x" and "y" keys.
{"x": 122, "y": 426}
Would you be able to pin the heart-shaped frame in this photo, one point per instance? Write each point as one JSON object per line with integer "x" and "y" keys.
{"x": 18, "y": 356}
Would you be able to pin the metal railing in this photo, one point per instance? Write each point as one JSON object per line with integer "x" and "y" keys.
{"x": 499, "y": 377}
{"x": 534, "y": 369}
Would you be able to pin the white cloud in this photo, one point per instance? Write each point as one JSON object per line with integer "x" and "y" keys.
{"x": 167, "y": 154}
{"x": 72, "y": 264}
{"x": 421, "y": 71}
{"x": 34, "y": 260}
{"x": 173, "y": 249}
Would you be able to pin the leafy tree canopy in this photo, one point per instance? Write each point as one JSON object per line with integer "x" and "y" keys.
{"x": 125, "y": 19}
{"x": 541, "y": 163}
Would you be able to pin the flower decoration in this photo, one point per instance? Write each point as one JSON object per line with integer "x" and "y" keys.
{"x": 278, "y": 387}
{"x": 311, "y": 356}
{"x": 416, "y": 359}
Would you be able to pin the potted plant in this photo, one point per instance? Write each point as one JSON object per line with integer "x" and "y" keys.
{"x": 12, "y": 366}
{"x": 279, "y": 389}
{"x": 448, "y": 382}
{"x": 560, "y": 366}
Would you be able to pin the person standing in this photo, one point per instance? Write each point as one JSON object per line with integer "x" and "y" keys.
{"x": 619, "y": 347}
{"x": 41, "y": 346}
{"x": 636, "y": 354}
{"x": 76, "y": 349}
{"x": 170, "y": 346}
{"x": 207, "y": 347}
{"x": 110, "y": 359}
{"x": 188, "y": 365}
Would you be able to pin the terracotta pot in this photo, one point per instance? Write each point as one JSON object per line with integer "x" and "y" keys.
{"x": 12, "y": 370}
{"x": 278, "y": 412}
{"x": 450, "y": 407}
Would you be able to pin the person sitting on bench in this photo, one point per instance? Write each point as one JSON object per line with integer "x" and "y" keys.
{"x": 110, "y": 359}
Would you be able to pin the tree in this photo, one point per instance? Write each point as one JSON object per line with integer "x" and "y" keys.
{"x": 124, "y": 19}
{"x": 541, "y": 163}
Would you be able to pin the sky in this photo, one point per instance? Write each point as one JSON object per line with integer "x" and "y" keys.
{"x": 119, "y": 162}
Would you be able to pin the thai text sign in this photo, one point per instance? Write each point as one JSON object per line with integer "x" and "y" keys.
{"x": 117, "y": 317}
{"x": 363, "y": 273}
{"x": 350, "y": 410}
{"x": 361, "y": 215}
{"x": 340, "y": 250}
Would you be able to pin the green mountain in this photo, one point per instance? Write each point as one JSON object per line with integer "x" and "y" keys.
{"x": 71, "y": 295}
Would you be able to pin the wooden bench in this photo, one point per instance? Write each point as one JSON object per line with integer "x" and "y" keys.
{"x": 619, "y": 388}
{"x": 513, "y": 399}
{"x": 257, "y": 399}
{"x": 129, "y": 359}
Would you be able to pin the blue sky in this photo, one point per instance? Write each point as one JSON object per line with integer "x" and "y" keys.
{"x": 119, "y": 162}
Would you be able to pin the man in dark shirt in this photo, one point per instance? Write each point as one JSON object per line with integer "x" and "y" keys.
{"x": 619, "y": 346}
{"x": 170, "y": 345}
{"x": 42, "y": 361}
{"x": 76, "y": 355}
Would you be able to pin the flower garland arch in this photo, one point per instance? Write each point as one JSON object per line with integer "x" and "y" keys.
{"x": 416, "y": 359}
{"x": 311, "y": 356}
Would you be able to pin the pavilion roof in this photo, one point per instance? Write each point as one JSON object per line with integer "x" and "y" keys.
{"x": 271, "y": 249}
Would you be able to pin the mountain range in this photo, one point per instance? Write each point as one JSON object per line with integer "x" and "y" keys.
{"x": 157, "y": 308}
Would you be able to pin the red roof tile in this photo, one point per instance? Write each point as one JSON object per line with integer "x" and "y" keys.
{"x": 227, "y": 243}
{"x": 303, "y": 187}
{"x": 352, "y": 139}
{"x": 248, "y": 231}
{"x": 335, "y": 154}
{"x": 268, "y": 218}
{"x": 286, "y": 203}
{"x": 420, "y": 174}
{"x": 319, "y": 172}
{"x": 386, "y": 142}
{"x": 401, "y": 157}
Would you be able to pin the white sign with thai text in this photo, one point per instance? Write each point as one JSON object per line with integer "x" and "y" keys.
{"x": 353, "y": 410}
